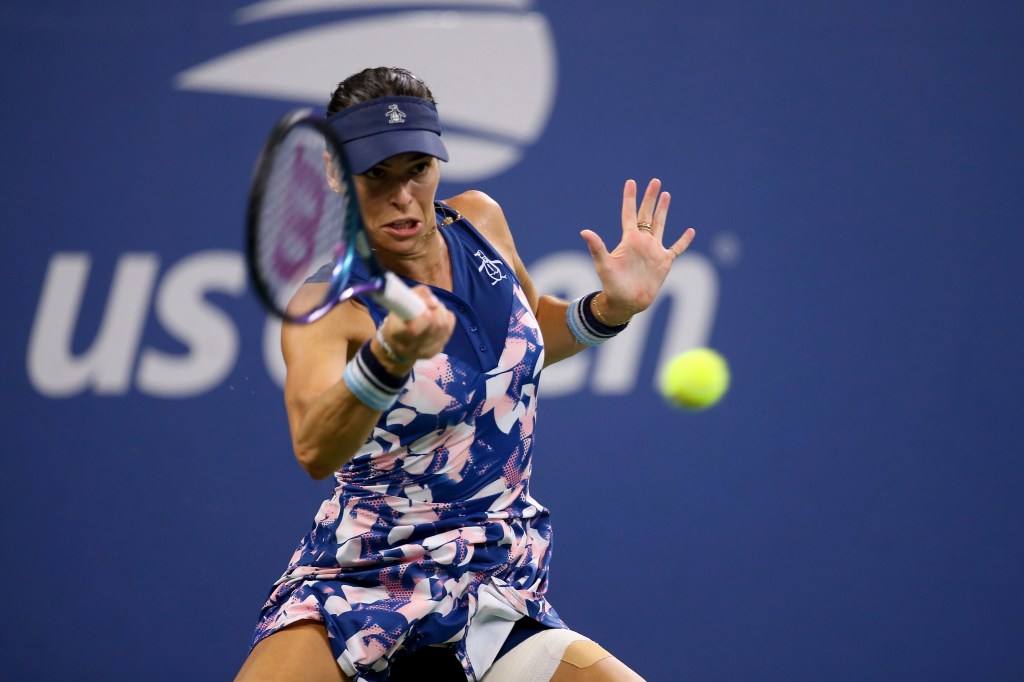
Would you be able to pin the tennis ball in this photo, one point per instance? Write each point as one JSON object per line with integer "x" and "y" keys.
{"x": 695, "y": 379}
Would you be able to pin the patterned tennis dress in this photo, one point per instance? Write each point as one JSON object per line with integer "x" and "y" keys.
{"x": 431, "y": 536}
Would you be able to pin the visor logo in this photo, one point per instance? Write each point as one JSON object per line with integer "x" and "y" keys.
{"x": 395, "y": 115}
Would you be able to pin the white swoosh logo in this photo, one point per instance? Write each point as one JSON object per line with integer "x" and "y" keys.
{"x": 493, "y": 74}
{"x": 272, "y": 9}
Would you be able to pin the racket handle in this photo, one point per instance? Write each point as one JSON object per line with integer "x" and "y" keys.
{"x": 397, "y": 297}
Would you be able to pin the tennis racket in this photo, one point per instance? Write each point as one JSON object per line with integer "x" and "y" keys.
{"x": 302, "y": 234}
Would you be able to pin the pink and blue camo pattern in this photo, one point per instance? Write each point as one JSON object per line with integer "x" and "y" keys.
{"x": 431, "y": 533}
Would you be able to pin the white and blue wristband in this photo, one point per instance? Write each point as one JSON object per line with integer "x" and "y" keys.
{"x": 585, "y": 326}
{"x": 371, "y": 382}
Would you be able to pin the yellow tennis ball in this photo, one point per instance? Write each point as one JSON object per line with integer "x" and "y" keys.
{"x": 695, "y": 379}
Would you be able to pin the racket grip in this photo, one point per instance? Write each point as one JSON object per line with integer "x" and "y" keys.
{"x": 397, "y": 297}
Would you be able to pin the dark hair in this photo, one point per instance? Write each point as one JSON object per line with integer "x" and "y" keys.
{"x": 383, "y": 81}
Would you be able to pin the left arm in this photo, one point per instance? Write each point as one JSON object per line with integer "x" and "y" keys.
{"x": 631, "y": 275}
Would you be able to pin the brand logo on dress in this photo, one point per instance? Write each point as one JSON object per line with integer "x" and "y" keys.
{"x": 490, "y": 267}
{"x": 395, "y": 115}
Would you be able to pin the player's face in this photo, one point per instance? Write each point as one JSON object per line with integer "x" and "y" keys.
{"x": 397, "y": 199}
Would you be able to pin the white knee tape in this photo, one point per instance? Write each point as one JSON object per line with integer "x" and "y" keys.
{"x": 535, "y": 659}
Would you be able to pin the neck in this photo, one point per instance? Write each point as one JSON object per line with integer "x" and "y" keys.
{"x": 428, "y": 242}
{"x": 427, "y": 263}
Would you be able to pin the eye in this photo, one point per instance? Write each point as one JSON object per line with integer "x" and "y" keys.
{"x": 374, "y": 173}
{"x": 420, "y": 168}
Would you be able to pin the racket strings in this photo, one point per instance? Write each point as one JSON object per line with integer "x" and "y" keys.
{"x": 300, "y": 221}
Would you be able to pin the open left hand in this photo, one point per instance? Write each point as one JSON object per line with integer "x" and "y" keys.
{"x": 632, "y": 274}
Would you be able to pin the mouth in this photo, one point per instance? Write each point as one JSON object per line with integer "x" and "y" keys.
{"x": 403, "y": 228}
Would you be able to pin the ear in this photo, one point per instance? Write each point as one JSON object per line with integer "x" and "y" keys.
{"x": 331, "y": 171}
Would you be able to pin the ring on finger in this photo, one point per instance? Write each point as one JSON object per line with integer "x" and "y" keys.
{"x": 647, "y": 227}
{"x": 675, "y": 254}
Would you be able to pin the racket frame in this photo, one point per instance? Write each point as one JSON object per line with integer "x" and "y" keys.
{"x": 384, "y": 286}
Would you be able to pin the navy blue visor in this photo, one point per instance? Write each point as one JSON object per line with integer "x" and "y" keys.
{"x": 378, "y": 129}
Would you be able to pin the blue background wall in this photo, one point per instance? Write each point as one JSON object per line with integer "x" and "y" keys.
{"x": 852, "y": 510}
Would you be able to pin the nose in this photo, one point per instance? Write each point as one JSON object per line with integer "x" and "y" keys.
{"x": 401, "y": 194}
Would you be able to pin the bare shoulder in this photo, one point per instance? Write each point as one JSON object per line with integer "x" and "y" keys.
{"x": 487, "y": 217}
{"x": 476, "y": 205}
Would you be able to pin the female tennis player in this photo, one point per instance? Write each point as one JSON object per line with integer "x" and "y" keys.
{"x": 430, "y": 560}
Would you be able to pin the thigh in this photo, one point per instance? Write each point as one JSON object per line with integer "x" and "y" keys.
{"x": 559, "y": 655}
{"x": 579, "y": 665}
{"x": 298, "y": 653}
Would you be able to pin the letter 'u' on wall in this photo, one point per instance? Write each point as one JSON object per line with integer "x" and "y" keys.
{"x": 107, "y": 365}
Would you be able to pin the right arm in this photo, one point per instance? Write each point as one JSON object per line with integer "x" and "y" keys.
{"x": 328, "y": 423}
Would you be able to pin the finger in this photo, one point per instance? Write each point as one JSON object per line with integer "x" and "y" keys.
{"x": 629, "y": 206}
{"x": 394, "y": 325}
{"x": 441, "y": 321}
{"x": 441, "y": 330}
{"x": 449, "y": 323}
{"x": 661, "y": 214}
{"x": 598, "y": 251}
{"x": 683, "y": 242}
{"x": 427, "y": 295}
{"x": 646, "y": 212}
